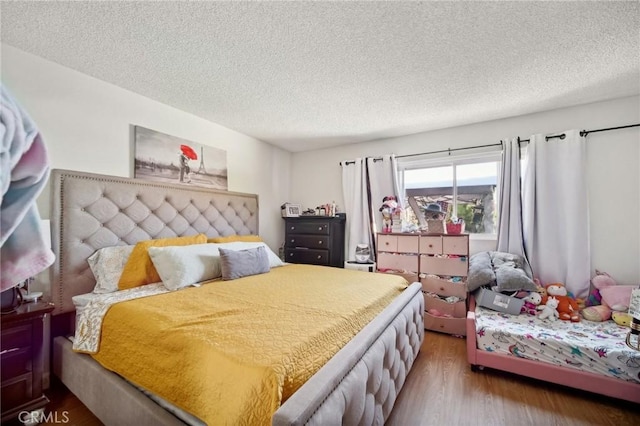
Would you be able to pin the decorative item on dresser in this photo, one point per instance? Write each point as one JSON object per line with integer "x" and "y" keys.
{"x": 23, "y": 359}
{"x": 441, "y": 264}
{"x": 316, "y": 240}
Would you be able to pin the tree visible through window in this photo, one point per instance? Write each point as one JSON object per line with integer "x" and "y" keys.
{"x": 464, "y": 190}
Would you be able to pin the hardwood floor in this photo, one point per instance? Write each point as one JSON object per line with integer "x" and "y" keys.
{"x": 442, "y": 390}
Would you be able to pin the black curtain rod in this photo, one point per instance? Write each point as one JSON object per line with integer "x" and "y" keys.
{"x": 560, "y": 136}
{"x": 586, "y": 132}
{"x": 346, "y": 163}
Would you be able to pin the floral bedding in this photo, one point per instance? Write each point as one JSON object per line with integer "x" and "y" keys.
{"x": 596, "y": 347}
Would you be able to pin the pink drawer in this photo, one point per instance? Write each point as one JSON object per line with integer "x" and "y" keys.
{"x": 431, "y": 245}
{"x": 457, "y": 310}
{"x": 455, "y": 245}
{"x": 398, "y": 243}
{"x": 399, "y": 262}
{"x": 445, "y": 325}
{"x": 408, "y": 243}
{"x": 443, "y": 287}
{"x": 387, "y": 242}
{"x": 454, "y": 266}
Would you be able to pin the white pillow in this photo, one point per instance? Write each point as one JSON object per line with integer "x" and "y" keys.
{"x": 181, "y": 266}
{"x": 274, "y": 260}
{"x": 107, "y": 265}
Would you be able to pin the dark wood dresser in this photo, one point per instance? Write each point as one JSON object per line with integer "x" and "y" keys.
{"x": 23, "y": 359}
{"x": 316, "y": 240}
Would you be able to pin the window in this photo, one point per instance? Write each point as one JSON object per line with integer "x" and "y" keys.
{"x": 465, "y": 187}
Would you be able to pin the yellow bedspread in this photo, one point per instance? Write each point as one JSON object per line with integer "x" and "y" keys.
{"x": 230, "y": 352}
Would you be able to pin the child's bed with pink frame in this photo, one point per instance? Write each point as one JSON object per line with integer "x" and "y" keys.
{"x": 566, "y": 376}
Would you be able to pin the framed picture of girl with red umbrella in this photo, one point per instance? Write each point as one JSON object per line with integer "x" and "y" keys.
{"x": 166, "y": 158}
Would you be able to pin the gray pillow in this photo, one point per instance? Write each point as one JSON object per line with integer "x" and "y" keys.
{"x": 242, "y": 263}
{"x": 510, "y": 278}
{"x": 480, "y": 271}
{"x": 511, "y": 274}
{"x": 498, "y": 258}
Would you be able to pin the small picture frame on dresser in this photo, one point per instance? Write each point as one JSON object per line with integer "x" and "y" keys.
{"x": 291, "y": 210}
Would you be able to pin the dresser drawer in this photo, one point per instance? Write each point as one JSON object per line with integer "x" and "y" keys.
{"x": 308, "y": 256}
{"x": 398, "y": 262}
{"x": 17, "y": 391}
{"x": 15, "y": 335}
{"x": 308, "y": 241}
{"x": 24, "y": 359}
{"x": 15, "y": 362}
{"x": 445, "y": 325}
{"x": 451, "y": 266}
{"x": 398, "y": 243}
{"x": 455, "y": 245}
{"x": 443, "y": 287}
{"x": 319, "y": 228}
{"x": 431, "y": 245}
{"x": 456, "y": 310}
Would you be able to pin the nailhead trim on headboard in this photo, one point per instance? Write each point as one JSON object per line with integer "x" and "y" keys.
{"x": 91, "y": 211}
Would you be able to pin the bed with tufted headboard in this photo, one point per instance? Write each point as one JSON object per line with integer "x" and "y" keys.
{"x": 89, "y": 212}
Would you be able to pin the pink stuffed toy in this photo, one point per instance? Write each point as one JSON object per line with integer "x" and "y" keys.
{"x": 615, "y": 296}
{"x": 531, "y": 303}
{"x": 606, "y": 297}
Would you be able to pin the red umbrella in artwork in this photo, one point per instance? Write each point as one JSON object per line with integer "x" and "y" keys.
{"x": 189, "y": 152}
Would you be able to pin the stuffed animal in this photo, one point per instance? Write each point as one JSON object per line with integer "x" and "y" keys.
{"x": 567, "y": 306}
{"x": 607, "y": 297}
{"x": 608, "y": 292}
{"x": 388, "y": 209}
{"x": 596, "y": 313}
{"x": 540, "y": 288}
{"x": 549, "y": 310}
{"x": 600, "y": 281}
{"x": 531, "y": 303}
{"x": 621, "y": 318}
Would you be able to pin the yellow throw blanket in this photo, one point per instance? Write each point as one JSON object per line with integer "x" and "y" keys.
{"x": 230, "y": 352}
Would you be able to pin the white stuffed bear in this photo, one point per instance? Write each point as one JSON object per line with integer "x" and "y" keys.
{"x": 549, "y": 310}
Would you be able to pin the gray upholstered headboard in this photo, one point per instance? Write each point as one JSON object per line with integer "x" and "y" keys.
{"x": 91, "y": 211}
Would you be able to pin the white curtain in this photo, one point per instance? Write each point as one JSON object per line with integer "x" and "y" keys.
{"x": 383, "y": 181}
{"x": 356, "y": 205}
{"x": 510, "y": 236}
{"x": 555, "y": 211}
{"x": 365, "y": 182}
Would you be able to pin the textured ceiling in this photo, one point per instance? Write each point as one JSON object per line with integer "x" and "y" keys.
{"x": 307, "y": 75}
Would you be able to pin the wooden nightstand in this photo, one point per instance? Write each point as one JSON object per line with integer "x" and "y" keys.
{"x": 23, "y": 359}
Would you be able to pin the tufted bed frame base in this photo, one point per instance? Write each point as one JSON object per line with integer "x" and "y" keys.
{"x": 359, "y": 385}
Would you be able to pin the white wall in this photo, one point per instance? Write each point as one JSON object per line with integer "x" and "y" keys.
{"x": 86, "y": 122}
{"x": 613, "y": 157}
